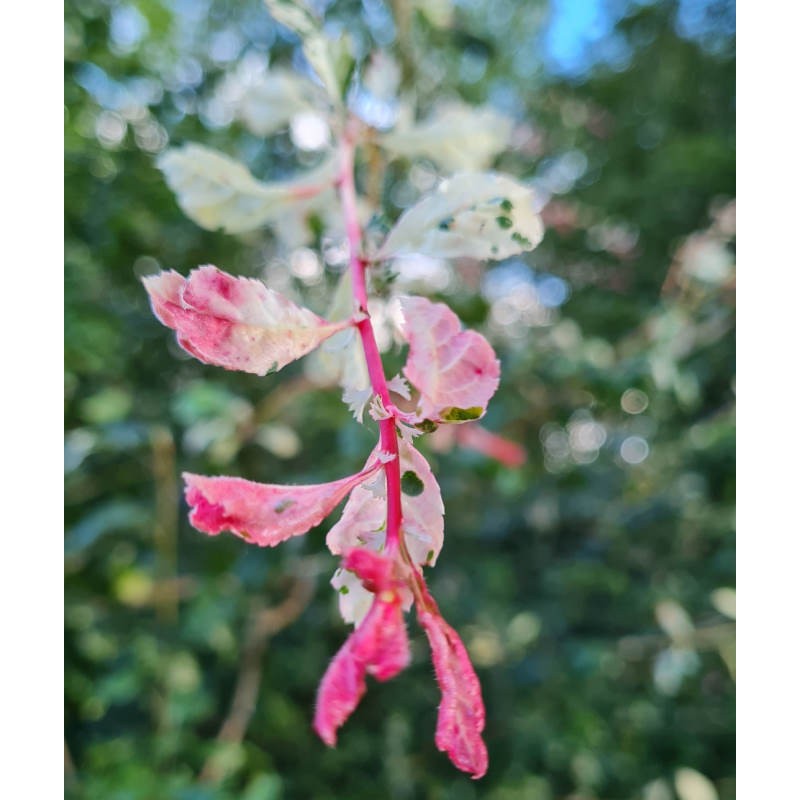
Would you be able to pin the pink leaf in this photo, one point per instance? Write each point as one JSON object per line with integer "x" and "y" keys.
{"x": 263, "y": 513}
{"x": 461, "y": 713}
{"x": 378, "y": 647}
{"x": 236, "y": 323}
{"x": 363, "y": 521}
{"x": 476, "y": 437}
{"x": 456, "y": 372}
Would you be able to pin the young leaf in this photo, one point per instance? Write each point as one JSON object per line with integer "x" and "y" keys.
{"x": 482, "y": 215}
{"x": 457, "y": 137}
{"x": 216, "y": 191}
{"x": 263, "y": 513}
{"x": 363, "y": 521}
{"x": 236, "y": 323}
{"x": 456, "y": 372}
{"x": 378, "y": 647}
{"x": 332, "y": 60}
{"x": 461, "y": 712}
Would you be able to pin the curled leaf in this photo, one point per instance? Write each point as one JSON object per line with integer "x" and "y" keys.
{"x": 378, "y": 647}
{"x": 461, "y": 713}
{"x": 236, "y": 323}
{"x": 482, "y": 215}
{"x": 456, "y": 372}
{"x": 216, "y": 191}
{"x": 264, "y": 513}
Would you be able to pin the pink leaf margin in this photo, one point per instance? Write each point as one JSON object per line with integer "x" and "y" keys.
{"x": 263, "y": 513}
{"x": 235, "y": 323}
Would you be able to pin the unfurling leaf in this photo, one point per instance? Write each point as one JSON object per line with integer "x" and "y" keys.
{"x": 236, "y": 323}
{"x": 456, "y": 136}
{"x": 482, "y": 215}
{"x": 461, "y": 712}
{"x": 456, "y": 372}
{"x": 216, "y": 191}
{"x": 378, "y": 647}
{"x": 363, "y": 521}
{"x": 263, "y": 513}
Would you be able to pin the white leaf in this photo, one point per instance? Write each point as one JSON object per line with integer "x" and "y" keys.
{"x": 724, "y": 600}
{"x": 693, "y": 785}
{"x": 674, "y": 620}
{"x": 331, "y": 60}
{"x": 456, "y": 136}
{"x": 482, "y": 215}
{"x": 294, "y": 15}
{"x": 267, "y": 101}
{"x": 216, "y": 191}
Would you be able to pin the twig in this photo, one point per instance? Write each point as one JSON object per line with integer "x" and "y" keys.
{"x": 165, "y": 529}
{"x": 707, "y": 637}
{"x": 263, "y": 624}
{"x": 70, "y": 773}
{"x": 280, "y": 397}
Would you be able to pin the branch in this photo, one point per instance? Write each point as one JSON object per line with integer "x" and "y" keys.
{"x": 263, "y": 623}
{"x": 705, "y": 637}
{"x": 165, "y": 529}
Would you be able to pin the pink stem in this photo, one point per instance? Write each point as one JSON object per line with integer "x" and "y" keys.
{"x": 389, "y": 444}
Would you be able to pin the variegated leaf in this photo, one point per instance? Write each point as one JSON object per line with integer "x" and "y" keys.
{"x": 263, "y": 513}
{"x": 236, "y": 323}
{"x": 482, "y": 215}
{"x": 456, "y": 372}
{"x": 217, "y": 192}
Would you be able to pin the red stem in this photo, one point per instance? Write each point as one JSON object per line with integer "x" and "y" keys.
{"x": 358, "y": 266}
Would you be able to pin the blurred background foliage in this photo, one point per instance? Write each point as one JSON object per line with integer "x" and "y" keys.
{"x": 593, "y": 586}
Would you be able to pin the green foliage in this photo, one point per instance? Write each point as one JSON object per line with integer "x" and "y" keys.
{"x": 586, "y": 582}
